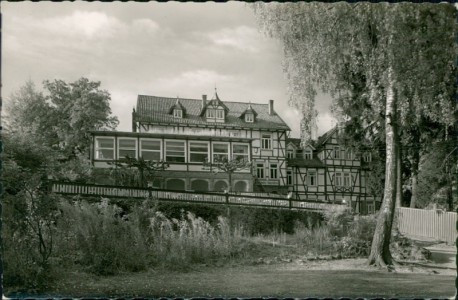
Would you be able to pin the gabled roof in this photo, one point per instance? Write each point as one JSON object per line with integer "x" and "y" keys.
{"x": 153, "y": 109}
{"x": 297, "y": 143}
{"x": 249, "y": 110}
{"x": 325, "y": 137}
{"x": 178, "y": 105}
{"x": 214, "y": 102}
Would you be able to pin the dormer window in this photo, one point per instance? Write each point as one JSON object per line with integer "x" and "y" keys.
{"x": 217, "y": 114}
{"x": 220, "y": 114}
{"x": 249, "y": 118}
{"x": 308, "y": 154}
{"x": 178, "y": 113}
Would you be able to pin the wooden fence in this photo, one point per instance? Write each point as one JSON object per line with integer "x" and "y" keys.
{"x": 186, "y": 196}
{"x": 428, "y": 224}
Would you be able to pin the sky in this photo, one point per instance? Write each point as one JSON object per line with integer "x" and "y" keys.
{"x": 163, "y": 49}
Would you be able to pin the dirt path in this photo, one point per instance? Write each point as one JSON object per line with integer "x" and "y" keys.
{"x": 342, "y": 278}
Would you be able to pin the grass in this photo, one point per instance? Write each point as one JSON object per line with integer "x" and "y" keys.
{"x": 256, "y": 281}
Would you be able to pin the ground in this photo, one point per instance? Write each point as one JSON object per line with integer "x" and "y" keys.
{"x": 298, "y": 278}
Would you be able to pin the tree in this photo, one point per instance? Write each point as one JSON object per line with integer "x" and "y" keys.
{"x": 228, "y": 166}
{"x": 146, "y": 170}
{"x": 62, "y": 116}
{"x": 403, "y": 53}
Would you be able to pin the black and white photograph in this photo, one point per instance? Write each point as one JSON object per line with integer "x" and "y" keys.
{"x": 229, "y": 150}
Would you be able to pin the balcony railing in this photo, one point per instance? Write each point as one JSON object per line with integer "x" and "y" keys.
{"x": 185, "y": 196}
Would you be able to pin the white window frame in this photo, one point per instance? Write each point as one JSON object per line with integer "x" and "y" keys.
{"x": 260, "y": 169}
{"x": 210, "y": 113}
{"x": 249, "y": 117}
{"x": 336, "y": 152}
{"x": 198, "y": 152}
{"x": 290, "y": 153}
{"x": 338, "y": 179}
{"x": 273, "y": 171}
{"x": 178, "y": 113}
{"x": 220, "y": 143}
{"x": 308, "y": 154}
{"x": 349, "y": 154}
{"x": 367, "y": 156}
{"x": 148, "y": 150}
{"x": 184, "y": 151}
{"x": 247, "y": 155}
{"x": 347, "y": 177}
{"x": 266, "y": 142}
{"x": 289, "y": 177}
{"x": 127, "y": 148}
{"x": 370, "y": 208}
{"x": 219, "y": 115}
{"x": 97, "y": 149}
{"x": 312, "y": 178}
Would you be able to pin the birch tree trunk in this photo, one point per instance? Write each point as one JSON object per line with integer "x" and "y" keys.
{"x": 380, "y": 251}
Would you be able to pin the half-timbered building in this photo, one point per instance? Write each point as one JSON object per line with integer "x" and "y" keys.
{"x": 185, "y": 133}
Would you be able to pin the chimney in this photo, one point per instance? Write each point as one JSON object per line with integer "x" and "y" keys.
{"x": 204, "y": 100}
{"x": 271, "y": 107}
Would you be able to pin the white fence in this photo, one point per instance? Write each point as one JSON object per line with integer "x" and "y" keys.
{"x": 430, "y": 224}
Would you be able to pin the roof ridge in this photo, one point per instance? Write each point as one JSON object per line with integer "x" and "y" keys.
{"x": 174, "y": 98}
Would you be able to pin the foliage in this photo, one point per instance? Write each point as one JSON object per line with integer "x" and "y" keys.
{"x": 101, "y": 239}
{"x": 137, "y": 172}
{"x": 228, "y": 166}
{"x": 400, "y": 56}
{"x": 63, "y": 116}
{"x": 29, "y": 217}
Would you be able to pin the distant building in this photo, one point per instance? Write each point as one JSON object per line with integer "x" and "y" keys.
{"x": 187, "y": 132}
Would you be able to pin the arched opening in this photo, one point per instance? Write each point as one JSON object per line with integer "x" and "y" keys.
{"x": 220, "y": 186}
{"x": 240, "y": 186}
{"x": 199, "y": 185}
{"x": 176, "y": 184}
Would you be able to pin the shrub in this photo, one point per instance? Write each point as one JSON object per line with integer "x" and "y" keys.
{"x": 101, "y": 239}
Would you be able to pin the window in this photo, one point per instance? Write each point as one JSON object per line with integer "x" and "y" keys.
{"x": 220, "y": 114}
{"x": 174, "y": 151}
{"x": 311, "y": 178}
{"x": 127, "y": 147}
{"x": 266, "y": 141}
{"x": 290, "y": 153}
{"x": 273, "y": 171}
{"x": 249, "y": 118}
{"x": 220, "y": 152}
{"x": 370, "y": 208}
{"x": 349, "y": 154}
{"x": 150, "y": 149}
{"x": 308, "y": 154}
{"x": 104, "y": 148}
{"x": 260, "y": 170}
{"x": 347, "y": 181}
{"x": 338, "y": 179}
{"x": 336, "y": 152}
{"x": 178, "y": 113}
{"x": 367, "y": 157}
{"x": 240, "y": 152}
{"x": 198, "y": 152}
{"x": 210, "y": 113}
{"x": 289, "y": 177}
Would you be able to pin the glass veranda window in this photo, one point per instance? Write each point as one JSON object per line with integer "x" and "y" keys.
{"x": 150, "y": 149}
{"x": 240, "y": 152}
{"x": 175, "y": 151}
{"x": 127, "y": 147}
{"x": 220, "y": 152}
{"x": 198, "y": 152}
{"x": 104, "y": 148}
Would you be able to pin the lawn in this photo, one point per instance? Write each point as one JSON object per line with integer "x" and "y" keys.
{"x": 334, "y": 278}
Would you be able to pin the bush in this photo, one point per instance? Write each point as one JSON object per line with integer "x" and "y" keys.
{"x": 98, "y": 237}
{"x": 188, "y": 240}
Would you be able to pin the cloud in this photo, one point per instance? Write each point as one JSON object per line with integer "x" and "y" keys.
{"x": 87, "y": 24}
{"x": 145, "y": 26}
{"x": 194, "y": 81}
{"x": 242, "y": 38}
